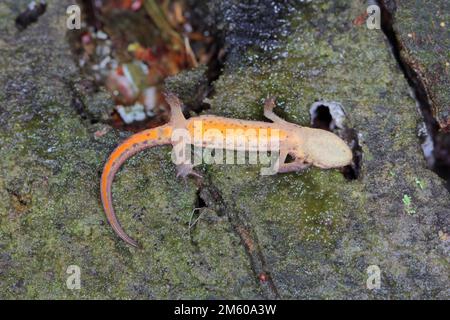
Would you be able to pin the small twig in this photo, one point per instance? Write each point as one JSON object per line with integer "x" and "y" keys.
{"x": 193, "y": 223}
{"x": 190, "y": 53}
{"x": 159, "y": 18}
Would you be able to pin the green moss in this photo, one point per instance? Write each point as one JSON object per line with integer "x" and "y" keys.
{"x": 187, "y": 82}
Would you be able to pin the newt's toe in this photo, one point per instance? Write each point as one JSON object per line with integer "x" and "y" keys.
{"x": 185, "y": 170}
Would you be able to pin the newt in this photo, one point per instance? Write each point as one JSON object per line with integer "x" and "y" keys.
{"x": 306, "y": 146}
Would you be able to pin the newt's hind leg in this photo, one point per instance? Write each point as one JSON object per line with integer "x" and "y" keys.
{"x": 269, "y": 104}
{"x": 187, "y": 169}
{"x": 180, "y": 157}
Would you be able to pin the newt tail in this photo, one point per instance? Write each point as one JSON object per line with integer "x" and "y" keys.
{"x": 134, "y": 144}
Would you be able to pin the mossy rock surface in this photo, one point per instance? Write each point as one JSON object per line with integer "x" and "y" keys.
{"x": 50, "y": 210}
{"x": 423, "y": 31}
{"x": 305, "y": 235}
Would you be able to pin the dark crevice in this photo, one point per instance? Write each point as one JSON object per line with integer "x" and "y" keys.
{"x": 213, "y": 199}
{"x": 78, "y": 105}
{"x": 216, "y": 64}
{"x": 92, "y": 14}
{"x": 411, "y": 75}
{"x": 199, "y": 202}
{"x": 441, "y": 140}
{"x": 323, "y": 118}
{"x": 353, "y": 171}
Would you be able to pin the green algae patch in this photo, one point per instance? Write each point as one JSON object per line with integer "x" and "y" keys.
{"x": 314, "y": 211}
{"x": 305, "y": 206}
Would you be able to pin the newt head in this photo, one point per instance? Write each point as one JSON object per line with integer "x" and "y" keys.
{"x": 326, "y": 150}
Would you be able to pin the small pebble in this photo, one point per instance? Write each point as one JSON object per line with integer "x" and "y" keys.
{"x": 101, "y": 35}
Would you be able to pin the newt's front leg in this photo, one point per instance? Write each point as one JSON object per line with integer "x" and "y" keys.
{"x": 297, "y": 165}
{"x": 184, "y": 168}
{"x": 269, "y": 105}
